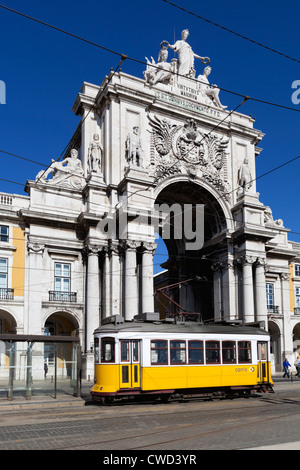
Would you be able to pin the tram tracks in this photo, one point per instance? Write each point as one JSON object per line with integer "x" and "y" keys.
{"x": 103, "y": 430}
{"x": 158, "y": 445}
{"x": 120, "y": 443}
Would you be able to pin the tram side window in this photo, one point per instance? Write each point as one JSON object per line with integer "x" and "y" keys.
{"x": 196, "y": 352}
{"x": 244, "y": 353}
{"x": 212, "y": 350}
{"x": 177, "y": 352}
{"x": 159, "y": 352}
{"x": 96, "y": 350}
{"x": 108, "y": 350}
{"x": 228, "y": 352}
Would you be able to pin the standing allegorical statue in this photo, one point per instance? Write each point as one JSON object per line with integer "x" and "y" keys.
{"x": 244, "y": 175}
{"x": 186, "y": 55}
{"x": 134, "y": 151}
{"x": 95, "y": 155}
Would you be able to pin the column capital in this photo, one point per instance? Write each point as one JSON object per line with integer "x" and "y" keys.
{"x": 149, "y": 247}
{"x": 216, "y": 266}
{"x": 130, "y": 245}
{"x": 245, "y": 260}
{"x": 114, "y": 247}
{"x": 261, "y": 261}
{"x": 284, "y": 276}
{"x": 35, "y": 248}
{"x": 92, "y": 250}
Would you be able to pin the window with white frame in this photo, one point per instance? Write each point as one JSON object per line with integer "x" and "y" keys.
{"x": 270, "y": 294}
{"x": 4, "y": 233}
{"x": 62, "y": 281}
{"x": 297, "y": 297}
{"x": 3, "y": 273}
{"x": 297, "y": 270}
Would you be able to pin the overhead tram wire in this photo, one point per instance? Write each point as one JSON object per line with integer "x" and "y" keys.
{"x": 141, "y": 62}
{"x": 231, "y": 31}
{"x": 75, "y": 36}
{"x": 149, "y": 197}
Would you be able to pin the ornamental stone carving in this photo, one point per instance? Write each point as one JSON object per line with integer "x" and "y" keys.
{"x": 133, "y": 146}
{"x": 35, "y": 248}
{"x": 162, "y": 71}
{"x": 185, "y": 149}
{"x": 268, "y": 218}
{"x": 244, "y": 176}
{"x": 68, "y": 173}
{"x": 95, "y": 155}
{"x": 211, "y": 91}
{"x": 186, "y": 55}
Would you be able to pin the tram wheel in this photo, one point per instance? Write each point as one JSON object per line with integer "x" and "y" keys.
{"x": 108, "y": 400}
{"x": 165, "y": 398}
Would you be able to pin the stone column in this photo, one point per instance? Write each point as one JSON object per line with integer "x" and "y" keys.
{"x": 260, "y": 291}
{"x": 106, "y": 284}
{"x": 248, "y": 298}
{"x": 93, "y": 297}
{"x": 32, "y": 323}
{"x": 147, "y": 277}
{"x": 217, "y": 278}
{"x": 115, "y": 279}
{"x": 286, "y": 311}
{"x": 228, "y": 290}
{"x": 131, "y": 281}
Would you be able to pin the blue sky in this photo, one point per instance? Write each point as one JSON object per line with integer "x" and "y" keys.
{"x": 44, "y": 69}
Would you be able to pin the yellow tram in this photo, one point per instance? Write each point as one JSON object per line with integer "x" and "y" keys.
{"x": 161, "y": 359}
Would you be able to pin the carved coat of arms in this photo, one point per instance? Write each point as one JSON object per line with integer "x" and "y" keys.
{"x": 185, "y": 149}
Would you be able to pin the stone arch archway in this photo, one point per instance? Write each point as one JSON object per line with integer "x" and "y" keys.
{"x": 61, "y": 323}
{"x": 8, "y": 323}
{"x": 296, "y": 340}
{"x": 191, "y": 262}
{"x": 275, "y": 345}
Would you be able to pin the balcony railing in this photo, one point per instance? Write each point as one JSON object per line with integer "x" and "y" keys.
{"x": 297, "y": 311}
{"x": 57, "y": 296}
{"x": 6, "y": 294}
{"x": 273, "y": 309}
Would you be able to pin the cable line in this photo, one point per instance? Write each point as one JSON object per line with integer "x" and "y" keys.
{"x": 242, "y": 95}
{"x": 232, "y": 32}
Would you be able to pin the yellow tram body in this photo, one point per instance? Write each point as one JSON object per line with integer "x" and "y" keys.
{"x": 139, "y": 358}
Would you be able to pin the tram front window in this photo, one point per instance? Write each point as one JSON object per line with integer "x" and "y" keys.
{"x": 108, "y": 350}
{"x": 96, "y": 350}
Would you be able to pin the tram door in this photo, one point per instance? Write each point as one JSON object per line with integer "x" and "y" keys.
{"x": 130, "y": 371}
{"x": 262, "y": 362}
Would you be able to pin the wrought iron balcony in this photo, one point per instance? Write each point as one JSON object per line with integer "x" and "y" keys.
{"x": 58, "y": 296}
{"x": 6, "y": 294}
{"x": 273, "y": 309}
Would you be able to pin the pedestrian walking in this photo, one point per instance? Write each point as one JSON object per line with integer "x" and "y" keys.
{"x": 286, "y": 366}
{"x": 45, "y": 369}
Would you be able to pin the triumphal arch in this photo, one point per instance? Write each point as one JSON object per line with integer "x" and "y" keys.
{"x": 162, "y": 153}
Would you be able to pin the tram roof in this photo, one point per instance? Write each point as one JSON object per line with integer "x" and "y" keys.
{"x": 185, "y": 327}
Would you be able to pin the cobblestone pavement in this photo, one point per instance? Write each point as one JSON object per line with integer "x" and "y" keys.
{"x": 240, "y": 423}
